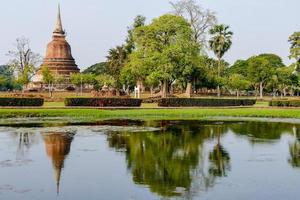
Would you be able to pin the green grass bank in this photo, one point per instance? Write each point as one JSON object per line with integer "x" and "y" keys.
{"x": 159, "y": 114}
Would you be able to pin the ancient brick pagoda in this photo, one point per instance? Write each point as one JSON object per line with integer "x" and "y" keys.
{"x": 58, "y": 57}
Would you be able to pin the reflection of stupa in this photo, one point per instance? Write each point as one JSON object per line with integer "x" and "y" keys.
{"x": 57, "y": 148}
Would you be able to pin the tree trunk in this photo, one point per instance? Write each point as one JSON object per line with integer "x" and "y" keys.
{"x": 49, "y": 89}
{"x": 188, "y": 90}
{"x": 261, "y": 88}
{"x": 274, "y": 93}
{"x": 237, "y": 94}
{"x": 151, "y": 91}
{"x": 218, "y": 91}
{"x": 164, "y": 88}
{"x": 218, "y": 87}
{"x": 52, "y": 90}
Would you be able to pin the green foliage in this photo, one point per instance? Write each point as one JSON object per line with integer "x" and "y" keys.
{"x": 294, "y": 41}
{"x": 7, "y": 81}
{"x": 116, "y": 60}
{"x": 221, "y": 40}
{"x": 285, "y": 103}
{"x": 191, "y": 102}
{"x": 239, "y": 67}
{"x": 261, "y": 68}
{"x": 238, "y": 82}
{"x": 25, "y": 76}
{"x": 77, "y": 79}
{"x": 97, "y": 69}
{"x": 164, "y": 50}
{"x": 130, "y": 43}
{"x": 48, "y": 77}
{"x": 103, "y": 102}
{"x": 105, "y": 80}
{"x": 30, "y": 102}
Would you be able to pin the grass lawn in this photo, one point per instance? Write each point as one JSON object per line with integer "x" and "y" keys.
{"x": 159, "y": 114}
{"x": 144, "y": 105}
{"x": 262, "y": 104}
{"x": 54, "y": 104}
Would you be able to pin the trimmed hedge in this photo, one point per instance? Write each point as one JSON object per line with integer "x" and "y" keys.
{"x": 20, "y": 102}
{"x": 103, "y": 102}
{"x": 285, "y": 103}
{"x": 195, "y": 102}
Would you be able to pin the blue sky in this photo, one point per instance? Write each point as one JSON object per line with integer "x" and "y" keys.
{"x": 94, "y": 26}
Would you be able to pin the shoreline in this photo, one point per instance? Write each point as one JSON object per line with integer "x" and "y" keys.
{"x": 79, "y": 115}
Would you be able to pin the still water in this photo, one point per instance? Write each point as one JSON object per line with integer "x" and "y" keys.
{"x": 151, "y": 160}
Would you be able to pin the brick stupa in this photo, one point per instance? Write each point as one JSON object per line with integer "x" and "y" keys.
{"x": 58, "y": 57}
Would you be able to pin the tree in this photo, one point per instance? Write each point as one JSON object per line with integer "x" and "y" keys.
{"x": 238, "y": 83}
{"x": 6, "y": 78}
{"x": 220, "y": 42}
{"x": 48, "y": 79}
{"x": 164, "y": 50}
{"x": 261, "y": 68}
{"x": 24, "y": 60}
{"x": 200, "y": 20}
{"x": 284, "y": 75}
{"x": 97, "y": 69}
{"x": 116, "y": 59}
{"x": 239, "y": 67}
{"x": 3, "y": 82}
{"x": 294, "y": 41}
{"x": 105, "y": 80}
{"x": 130, "y": 44}
{"x": 77, "y": 80}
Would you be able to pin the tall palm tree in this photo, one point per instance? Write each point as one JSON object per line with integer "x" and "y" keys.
{"x": 220, "y": 42}
{"x": 116, "y": 59}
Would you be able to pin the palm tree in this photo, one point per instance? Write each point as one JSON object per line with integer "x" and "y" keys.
{"x": 220, "y": 43}
{"x": 116, "y": 59}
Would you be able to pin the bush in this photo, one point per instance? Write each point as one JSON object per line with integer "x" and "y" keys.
{"x": 15, "y": 102}
{"x": 103, "y": 102}
{"x": 191, "y": 102}
{"x": 285, "y": 103}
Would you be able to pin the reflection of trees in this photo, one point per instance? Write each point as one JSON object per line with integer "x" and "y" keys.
{"x": 261, "y": 131}
{"x": 294, "y": 159}
{"x": 24, "y": 140}
{"x": 58, "y": 147}
{"x": 219, "y": 158}
{"x": 165, "y": 160}
{"x": 294, "y": 148}
{"x": 220, "y": 161}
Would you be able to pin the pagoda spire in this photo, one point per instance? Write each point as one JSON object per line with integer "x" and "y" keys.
{"x": 58, "y": 26}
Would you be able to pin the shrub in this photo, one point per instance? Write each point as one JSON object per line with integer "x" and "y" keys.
{"x": 285, "y": 103}
{"x": 191, "y": 102}
{"x": 15, "y": 102}
{"x": 103, "y": 102}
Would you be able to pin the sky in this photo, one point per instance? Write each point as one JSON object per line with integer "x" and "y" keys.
{"x": 95, "y": 26}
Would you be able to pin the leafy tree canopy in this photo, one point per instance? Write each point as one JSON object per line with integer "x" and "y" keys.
{"x": 164, "y": 49}
{"x": 97, "y": 69}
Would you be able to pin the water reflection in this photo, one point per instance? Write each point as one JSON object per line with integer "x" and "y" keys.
{"x": 294, "y": 159}
{"x": 166, "y": 160}
{"x": 219, "y": 158}
{"x": 58, "y": 146}
{"x": 260, "y": 132}
{"x": 175, "y": 159}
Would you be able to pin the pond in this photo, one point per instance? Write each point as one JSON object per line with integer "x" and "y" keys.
{"x": 147, "y": 160}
